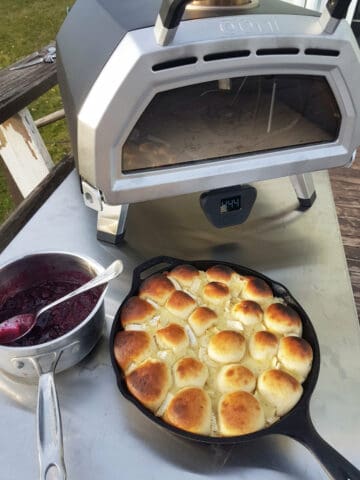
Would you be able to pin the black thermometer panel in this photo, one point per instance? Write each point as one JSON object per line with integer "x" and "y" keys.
{"x": 228, "y": 206}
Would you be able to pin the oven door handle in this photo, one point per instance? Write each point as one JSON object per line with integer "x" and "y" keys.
{"x": 172, "y": 11}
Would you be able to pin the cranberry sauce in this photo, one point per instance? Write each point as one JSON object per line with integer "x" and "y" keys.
{"x": 60, "y": 319}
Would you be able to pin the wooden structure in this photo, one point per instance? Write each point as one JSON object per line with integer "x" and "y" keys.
{"x": 30, "y": 172}
{"x": 346, "y": 189}
{"x": 20, "y": 87}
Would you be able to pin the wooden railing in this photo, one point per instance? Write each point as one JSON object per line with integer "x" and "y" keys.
{"x": 30, "y": 172}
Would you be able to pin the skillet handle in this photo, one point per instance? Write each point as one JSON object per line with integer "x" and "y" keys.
{"x": 138, "y": 273}
{"x": 50, "y": 440}
{"x": 335, "y": 465}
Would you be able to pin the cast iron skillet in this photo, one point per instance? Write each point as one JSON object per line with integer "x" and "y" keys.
{"x": 296, "y": 424}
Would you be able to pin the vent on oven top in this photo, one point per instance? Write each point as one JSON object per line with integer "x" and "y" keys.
{"x": 179, "y": 62}
{"x": 322, "y": 52}
{"x": 277, "y": 51}
{"x": 222, "y": 55}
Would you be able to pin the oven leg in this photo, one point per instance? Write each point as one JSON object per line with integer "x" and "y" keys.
{"x": 111, "y": 223}
{"x": 305, "y": 190}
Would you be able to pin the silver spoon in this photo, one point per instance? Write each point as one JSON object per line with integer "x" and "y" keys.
{"x": 16, "y": 327}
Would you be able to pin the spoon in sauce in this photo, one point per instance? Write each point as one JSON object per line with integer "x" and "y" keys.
{"x": 16, "y": 327}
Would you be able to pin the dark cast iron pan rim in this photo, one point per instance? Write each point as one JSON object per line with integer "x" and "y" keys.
{"x": 296, "y": 424}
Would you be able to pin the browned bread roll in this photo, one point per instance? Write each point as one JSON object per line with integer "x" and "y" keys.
{"x": 220, "y": 273}
{"x": 172, "y": 337}
{"x": 280, "y": 390}
{"x": 186, "y": 275}
{"x": 190, "y": 372}
{"x": 180, "y": 304}
{"x": 157, "y": 288}
{"x": 296, "y": 356}
{"x": 282, "y": 319}
{"x": 235, "y": 377}
{"x": 247, "y": 312}
{"x": 136, "y": 310}
{"x": 216, "y": 293}
{"x": 132, "y": 347}
{"x": 201, "y": 319}
{"x": 256, "y": 289}
{"x": 149, "y": 383}
{"x": 240, "y": 413}
{"x": 227, "y": 346}
{"x": 190, "y": 410}
{"x": 263, "y": 346}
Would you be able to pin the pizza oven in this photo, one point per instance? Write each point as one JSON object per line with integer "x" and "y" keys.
{"x": 168, "y": 97}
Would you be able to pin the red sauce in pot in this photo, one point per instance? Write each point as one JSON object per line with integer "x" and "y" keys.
{"x": 59, "y": 320}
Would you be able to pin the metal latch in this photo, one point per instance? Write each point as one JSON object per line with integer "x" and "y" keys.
{"x": 352, "y": 159}
{"x": 92, "y": 196}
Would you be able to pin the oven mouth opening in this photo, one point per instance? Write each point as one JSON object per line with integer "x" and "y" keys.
{"x": 231, "y": 118}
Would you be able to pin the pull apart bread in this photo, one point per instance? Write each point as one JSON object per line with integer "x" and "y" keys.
{"x": 212, "y": 352}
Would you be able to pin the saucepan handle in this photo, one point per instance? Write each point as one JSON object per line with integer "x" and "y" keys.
{"x": 139, "y": 272}
{"x": 50, "y": 440}
{"x": 335, "y": 465}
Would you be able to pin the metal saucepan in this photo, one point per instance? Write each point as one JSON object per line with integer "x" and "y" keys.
{"x": 296, "y": 424}
{"x": 41, "y": 360}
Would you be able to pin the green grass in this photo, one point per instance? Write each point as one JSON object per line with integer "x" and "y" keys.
{"x": 26, "y": 26}
{"x": 6, "y": 203}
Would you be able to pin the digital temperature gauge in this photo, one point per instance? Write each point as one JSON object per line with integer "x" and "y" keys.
{"x": 230, "y": 204}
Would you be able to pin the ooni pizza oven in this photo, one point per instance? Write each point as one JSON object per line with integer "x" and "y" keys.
{"x": 170, "y": 97}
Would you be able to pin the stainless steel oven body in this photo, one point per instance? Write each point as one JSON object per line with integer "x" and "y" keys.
{"x": 225, "y": 98}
